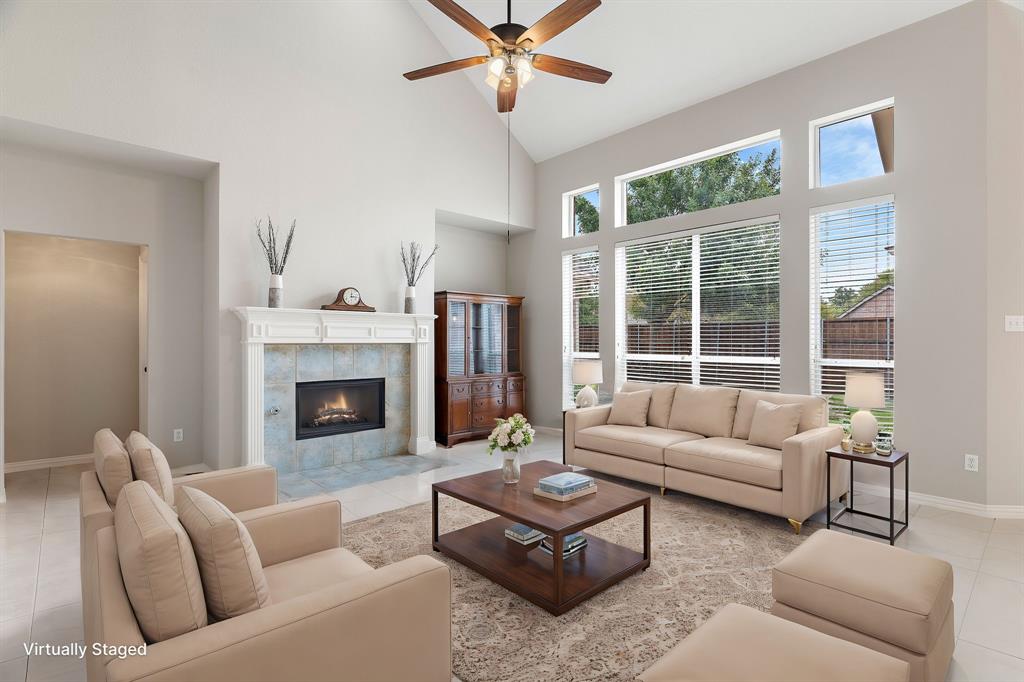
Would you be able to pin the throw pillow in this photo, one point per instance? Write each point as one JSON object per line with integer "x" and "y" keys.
{"x": 630, "y": 409}
{"x": 150, "y": 465}
{"x": 705, "y": 410}
{"x": 158, "y": 565}
{"x": 661, "y": 400}
{"x": 233, "y": 578}
{"x": 113, "y": 468}
{"x": 773, "y": 424}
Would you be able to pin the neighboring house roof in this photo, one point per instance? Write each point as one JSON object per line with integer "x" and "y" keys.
{"x": 879, "y": 304}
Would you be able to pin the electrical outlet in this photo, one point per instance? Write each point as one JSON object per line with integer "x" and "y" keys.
{"x": 179, "y": 435}
{"x": 1014, "y": 323}
{"x": 970, "y": 462}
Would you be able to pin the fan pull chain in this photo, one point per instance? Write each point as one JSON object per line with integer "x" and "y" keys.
{"x": 508, "y": 172}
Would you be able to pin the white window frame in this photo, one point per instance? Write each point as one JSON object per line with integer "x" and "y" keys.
{"x": 814, "y": 165}
{"x": 695, "y": 358}
{"x": 569, "y": 355}
{"x": 815, "y": 305}
{"x": 622, "y": 180}
{"x": 568, "y": 212}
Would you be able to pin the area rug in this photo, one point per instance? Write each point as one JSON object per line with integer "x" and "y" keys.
{"x": 704, "y": 555}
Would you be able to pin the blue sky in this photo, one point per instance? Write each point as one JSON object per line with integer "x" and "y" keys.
{"x": 848, "y": 151}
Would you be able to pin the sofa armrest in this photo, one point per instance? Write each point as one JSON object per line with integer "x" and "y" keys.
{"x": 94, "y": 513}
{"x": 237, "y": 489}
{"x": 294, "y": 529}
{"x": 393, "y": 623}
{"x": 803, "y": 471}
{"x": 580, "y": 418}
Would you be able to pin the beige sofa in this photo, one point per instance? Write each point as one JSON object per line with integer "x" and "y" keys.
{"x": 330, "y": 616}
{"x": 713, "y": 458}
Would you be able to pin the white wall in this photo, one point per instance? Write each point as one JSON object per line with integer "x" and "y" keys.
{"x": 303, "y": 106}
{"x": 45, "y": 192}
{"x": 471, "y": 260}
{"x": 945, "y": 365}
{"x": 72, "y": 343}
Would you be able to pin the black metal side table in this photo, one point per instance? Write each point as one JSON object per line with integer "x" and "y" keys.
{"x": 890, "y": 461}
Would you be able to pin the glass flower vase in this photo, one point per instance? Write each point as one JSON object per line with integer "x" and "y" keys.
{"x": 510, "y": 467}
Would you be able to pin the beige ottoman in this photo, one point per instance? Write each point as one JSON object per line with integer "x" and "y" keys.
{"x": 885, "y": 598}
{"x": 743, "y": 644}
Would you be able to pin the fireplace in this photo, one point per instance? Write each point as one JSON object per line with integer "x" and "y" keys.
{"x": 325, "y": 408}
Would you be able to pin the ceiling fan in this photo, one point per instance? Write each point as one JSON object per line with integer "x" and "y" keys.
{"x": 511, "y": 60}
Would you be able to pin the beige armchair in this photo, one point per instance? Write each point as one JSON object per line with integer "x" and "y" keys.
{"x": 331, "y": 616}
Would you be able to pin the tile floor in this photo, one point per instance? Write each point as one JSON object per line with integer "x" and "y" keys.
{"x": 40, "y": 597}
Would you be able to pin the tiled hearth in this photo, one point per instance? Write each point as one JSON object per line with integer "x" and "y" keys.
{"x": 286, "y": 364}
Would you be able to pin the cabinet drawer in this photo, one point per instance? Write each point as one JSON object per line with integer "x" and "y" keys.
{"x": 488, "y": 387}
{"x": 485, "y": 420}
{"x": 489, "y": 404}
{"x": 459, "y": 391}
{"x": 515, "y": 385}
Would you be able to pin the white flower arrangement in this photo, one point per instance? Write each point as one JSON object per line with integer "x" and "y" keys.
{"x": 509, "y": 435}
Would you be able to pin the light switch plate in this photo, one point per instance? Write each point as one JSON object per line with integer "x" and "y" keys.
{"x": 1015, "y": 323}
{"x": 970, "y": 462}
{"x": 179, "y": 435}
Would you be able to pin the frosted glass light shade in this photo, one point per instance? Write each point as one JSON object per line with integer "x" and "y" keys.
{"x": 865, "y": 390}
{"x": 587, "y": 372}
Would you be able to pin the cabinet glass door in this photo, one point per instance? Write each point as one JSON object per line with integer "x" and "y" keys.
{"x": 457, "y": 338}
{"x": 485, "y": 338}
{"x": 513, "y": 352}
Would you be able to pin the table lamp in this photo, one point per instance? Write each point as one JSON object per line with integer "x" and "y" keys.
{"x": 586, "y": 372}
{"x": 865, "y": 391}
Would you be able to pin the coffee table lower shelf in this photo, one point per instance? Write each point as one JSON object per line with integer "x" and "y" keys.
{"x": 530, "y": 572}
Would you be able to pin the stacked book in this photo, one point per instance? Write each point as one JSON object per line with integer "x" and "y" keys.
{"x": 571, "y": 544}
{"x": 565, "y": 486}
{"x": 523, "y": 534}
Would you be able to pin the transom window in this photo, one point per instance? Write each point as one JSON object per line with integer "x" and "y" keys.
{"x": 701, "y": 308}
{"x": 853, "y": 145}
{"x": 581, "y": 211}
{"x": 745, "y": 170}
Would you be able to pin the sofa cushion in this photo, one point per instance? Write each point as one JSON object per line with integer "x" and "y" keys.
{"x": 113, "y": 467}
{"x": 150, "y": 465}
{"x": 233, "y": 579}
{"x": 813, "y": 415}
{"x": 296, "y": 577}
{"x": 630, "y": 409}
{"x": 661, "y": 401}
{"x": 729, "y": 458}
{"x": 707, "y": 410}
{"x": 741, "y": 643}
{"x": 773, "y": 424}
{"x": 158, "y": 565}
{"x": 839, "y": 577}
{"x": 645, "y": 443}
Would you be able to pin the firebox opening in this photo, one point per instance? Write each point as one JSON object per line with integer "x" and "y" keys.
{"x": 325, "y": 408}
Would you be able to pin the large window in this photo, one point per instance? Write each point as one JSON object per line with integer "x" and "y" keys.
{"x": 853, "y": 293}
{"x": 581, "y": 211}
{"x": 853, "y": 144}
{"x": 580, "y": 313}
{"x": 746, "y": 170}
{"x": 701, "y": 308}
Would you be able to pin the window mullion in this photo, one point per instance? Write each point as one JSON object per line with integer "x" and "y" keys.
{"x": 695, "y": 308}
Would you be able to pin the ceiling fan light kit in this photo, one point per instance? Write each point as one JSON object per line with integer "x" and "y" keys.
{"x": 511, "y": 60}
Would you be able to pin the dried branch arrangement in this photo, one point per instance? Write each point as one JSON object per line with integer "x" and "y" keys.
{"x": 413, "y": 262}
{"x": 275, "y": 259}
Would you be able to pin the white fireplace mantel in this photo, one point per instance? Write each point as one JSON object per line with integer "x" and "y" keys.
{"x": 262, "y": 326}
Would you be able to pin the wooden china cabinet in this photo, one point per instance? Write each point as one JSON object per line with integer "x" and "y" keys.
{"x": 478, "y": 363}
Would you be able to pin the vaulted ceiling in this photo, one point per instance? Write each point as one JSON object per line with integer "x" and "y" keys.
{"x": 665, "y": 55}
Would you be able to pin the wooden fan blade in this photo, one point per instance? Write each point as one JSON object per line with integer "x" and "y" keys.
{"x": 556, "y": 21}
{"x": 507, "y": 88}
{"x": 570, "y": 69}
{"x": 465, "y": 20}
{"x": 447, "y": 67}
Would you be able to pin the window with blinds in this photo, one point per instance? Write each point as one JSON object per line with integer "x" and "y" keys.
{"x": 853, "y": 294}
{"x": 701, "y": 308}
{"x": 580, "y": 313}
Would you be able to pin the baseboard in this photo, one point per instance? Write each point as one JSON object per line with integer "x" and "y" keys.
{"x": 995, "y": 511}
{"x": 549, "y": 430}
{"x": 47, "y": 463}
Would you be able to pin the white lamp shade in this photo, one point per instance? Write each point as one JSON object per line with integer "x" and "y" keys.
{"x": 587, "y": 372}
{"x": 865, "y": 390}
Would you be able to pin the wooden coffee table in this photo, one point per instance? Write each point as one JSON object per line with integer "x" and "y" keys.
{"x": 547, "y": 581}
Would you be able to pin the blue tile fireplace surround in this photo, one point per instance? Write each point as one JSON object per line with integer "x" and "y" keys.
{"x": 288, "y": 364}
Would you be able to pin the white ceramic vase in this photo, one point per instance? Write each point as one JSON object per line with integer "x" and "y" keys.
{"x": 276, "y": 297}
{"x": 410, "y": 299}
